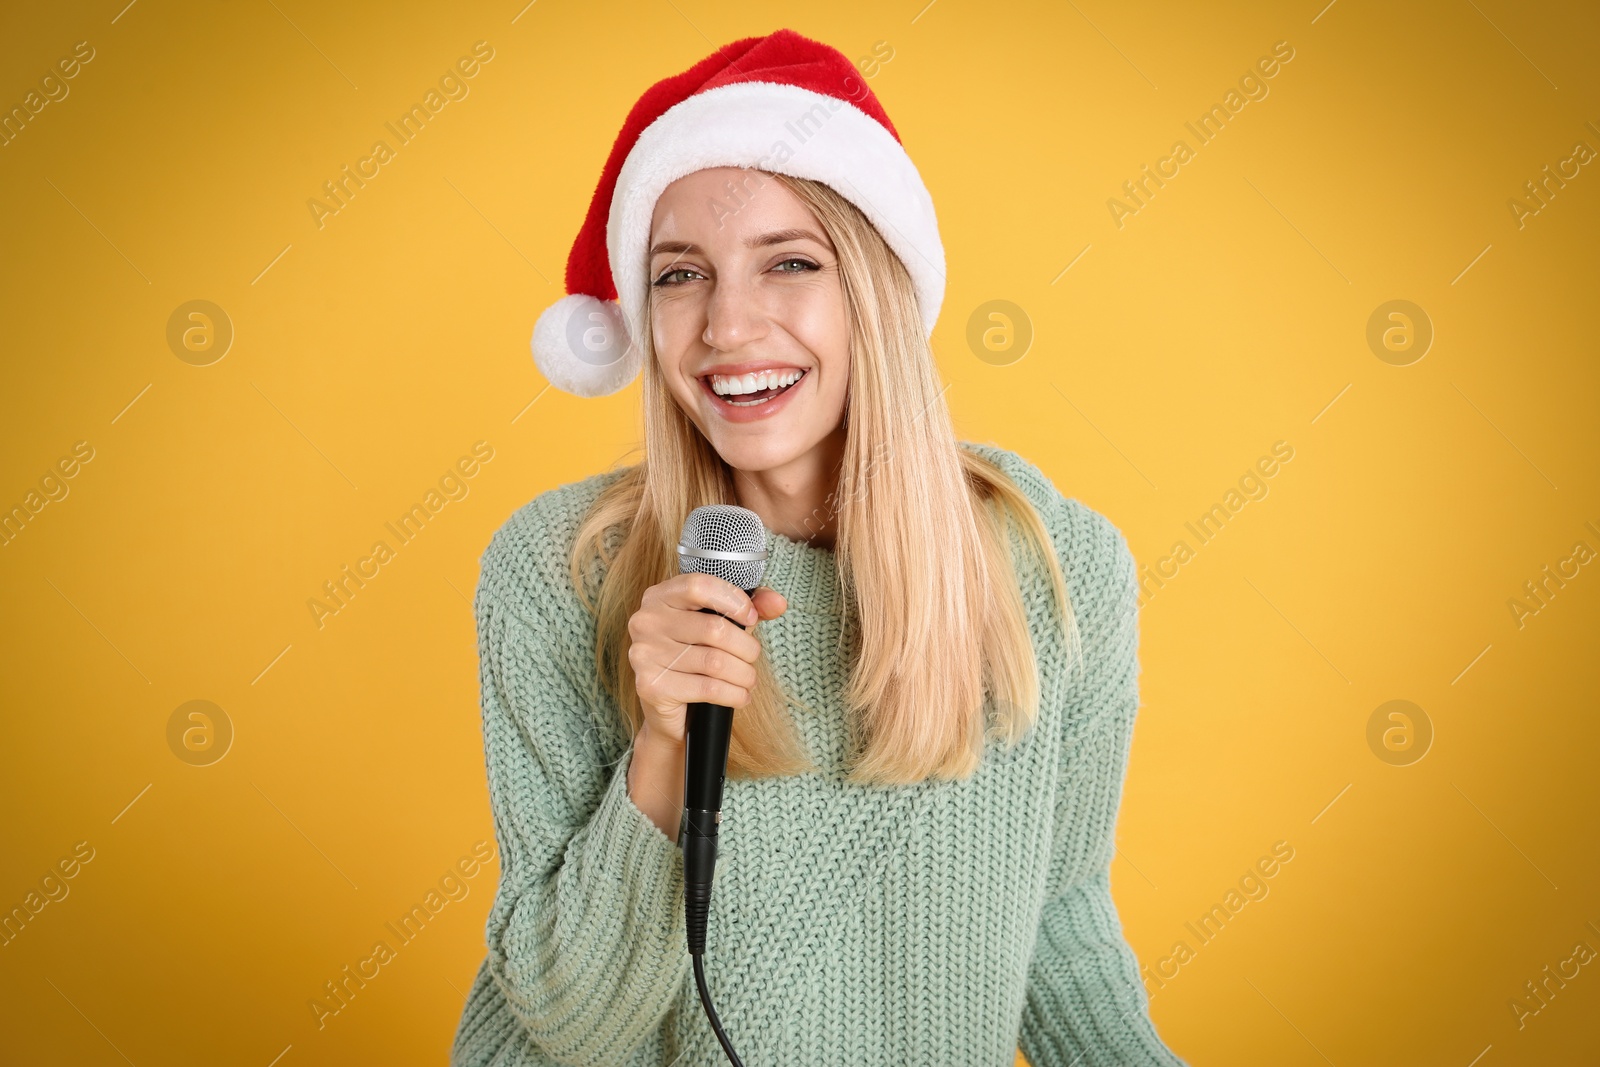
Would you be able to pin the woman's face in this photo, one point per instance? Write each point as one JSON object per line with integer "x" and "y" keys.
{"x": 748, "y": 316}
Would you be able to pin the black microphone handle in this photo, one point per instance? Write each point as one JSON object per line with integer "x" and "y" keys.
{"x": 705, "y": 757}
{"x": 707, "y": 730}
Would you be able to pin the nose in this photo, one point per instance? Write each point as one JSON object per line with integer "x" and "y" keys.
{"x": 734, "y": 316}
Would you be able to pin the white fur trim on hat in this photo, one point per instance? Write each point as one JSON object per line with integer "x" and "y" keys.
{"x": 580, "y": 345}
{"x": 783, "y": 129}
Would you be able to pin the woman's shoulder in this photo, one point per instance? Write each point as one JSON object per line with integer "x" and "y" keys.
{"x": 1092, "y": 550}
{"x": 526, "y": 561}
{"x": 1087, "y": 533}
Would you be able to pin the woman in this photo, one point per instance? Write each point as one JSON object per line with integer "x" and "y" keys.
{"x": 932, "y": 721}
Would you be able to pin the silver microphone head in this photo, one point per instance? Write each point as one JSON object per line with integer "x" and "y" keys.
{"x": 725, "y": 540}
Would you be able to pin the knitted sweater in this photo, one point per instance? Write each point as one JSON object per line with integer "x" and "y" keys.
{"x": 941, "y": 924}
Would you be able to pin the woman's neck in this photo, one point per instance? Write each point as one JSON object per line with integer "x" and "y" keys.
{"x": 797, "y": 499}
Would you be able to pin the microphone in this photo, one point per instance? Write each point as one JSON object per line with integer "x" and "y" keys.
{"x": 729, "y": 542}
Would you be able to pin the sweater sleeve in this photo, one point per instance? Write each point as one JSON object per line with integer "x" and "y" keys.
{"x": 1085, "y": 1005}
{"x": 586, "y": 943}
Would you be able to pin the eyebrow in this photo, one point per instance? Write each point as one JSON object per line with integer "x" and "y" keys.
{"x": 760, "y": 240}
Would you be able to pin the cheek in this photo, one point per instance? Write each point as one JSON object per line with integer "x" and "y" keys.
{"x": 674, "y": 335}
{"x": 818, "y": 321}
{"x": 673, "y": 329}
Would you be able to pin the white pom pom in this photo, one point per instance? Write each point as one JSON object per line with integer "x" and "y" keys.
{"x": 582, "y": 346}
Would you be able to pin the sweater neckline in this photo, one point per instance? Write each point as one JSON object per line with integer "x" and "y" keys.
{"x": 806, "y": 574}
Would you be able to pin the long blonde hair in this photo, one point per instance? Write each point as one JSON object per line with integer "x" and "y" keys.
{"x": 922, "y": 553}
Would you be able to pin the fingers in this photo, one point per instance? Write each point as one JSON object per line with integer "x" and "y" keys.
{"x": 699, "y": 688}
{"x": 695, "y": 591}
{"x": 683, "y": 653}
{"x": 697, "y": 673}
{"x": 699, "y": 628}
{"x": 770, "y": 603}
{"x": 718, "y": 663}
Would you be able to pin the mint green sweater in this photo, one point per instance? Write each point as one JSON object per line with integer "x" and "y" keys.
{"x": 941, "y": 924}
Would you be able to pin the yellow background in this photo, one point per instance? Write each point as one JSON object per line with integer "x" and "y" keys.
{"x": 370, "y": 354}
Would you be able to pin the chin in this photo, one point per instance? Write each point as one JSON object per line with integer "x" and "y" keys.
{"x": 761, "y": 449}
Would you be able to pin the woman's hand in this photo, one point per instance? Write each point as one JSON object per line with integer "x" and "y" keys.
{"x": 681, "y": 654}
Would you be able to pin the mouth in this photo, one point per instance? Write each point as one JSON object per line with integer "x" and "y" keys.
{"x": 757, "y": 394}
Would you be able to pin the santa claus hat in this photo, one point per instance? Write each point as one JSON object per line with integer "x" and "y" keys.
{"x": 781, "y": 103}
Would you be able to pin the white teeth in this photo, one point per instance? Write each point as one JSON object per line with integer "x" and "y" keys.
{"x": 724, "y": 385}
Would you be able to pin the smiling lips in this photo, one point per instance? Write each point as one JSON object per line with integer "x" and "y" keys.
{"x": 754, "y": 395}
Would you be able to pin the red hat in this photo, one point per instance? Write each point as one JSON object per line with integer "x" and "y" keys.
{"x": 782, "y": 103}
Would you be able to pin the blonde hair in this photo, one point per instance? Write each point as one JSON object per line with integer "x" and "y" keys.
{"x": 922, "y": 553}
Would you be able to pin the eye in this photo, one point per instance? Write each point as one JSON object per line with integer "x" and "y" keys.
{"x": 806, "y": 264}
{"x": 662, "y": 281}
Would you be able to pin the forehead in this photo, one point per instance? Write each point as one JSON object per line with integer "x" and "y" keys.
{"x": 725, "y": 204}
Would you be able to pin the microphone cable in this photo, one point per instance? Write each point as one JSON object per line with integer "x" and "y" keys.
{"x": 711, "y": 1012}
